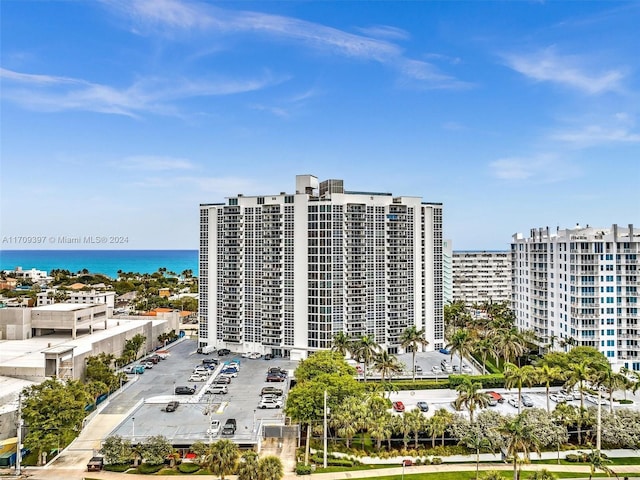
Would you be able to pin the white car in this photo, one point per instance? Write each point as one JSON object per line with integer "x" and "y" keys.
{"x": 270, "y": 403}
{"x": 513, "y": 401}
{"x": 202, "y": 370}
{"x": 229, "y": 374}
{"x": 594, "y": 399}
{"x": 217, "y": 389}
{"x": 214, "y": 428}
{"x": 196, "y": 377}
{"x": 255, "y": 355}
{"x": 558, "y": 397}
{"x": 466, "y": 369}
{"x": 437, "y": 369}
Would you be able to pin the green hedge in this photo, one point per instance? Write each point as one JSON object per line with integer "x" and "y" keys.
{"x": 411, "y": 385}
{"x": 187, "y": 467}
{"x": 117, "y": 467}
{"x": 302, "y": 469}
{"x": 494, "y": 380}
{"x": 145, "y": 468}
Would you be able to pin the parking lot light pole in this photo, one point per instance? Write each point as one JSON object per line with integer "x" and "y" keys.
{"x": 133, "y": 429}
{"x": 254, "y": 421}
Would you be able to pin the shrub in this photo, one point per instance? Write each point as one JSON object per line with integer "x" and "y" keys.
{"x": 625, "y": 402}
{"x": 146, "y": 468}
{"x": 426, "y": 461}
{"x": 572, "y": 457}
{"x": 418, "y": 461}
{"x": 436, "y": 461}
{"x": 188, "y": 467}
{"x": 302, "y": 469}
{"x": 117, "y": 467}
{"x": 494, "y": 380}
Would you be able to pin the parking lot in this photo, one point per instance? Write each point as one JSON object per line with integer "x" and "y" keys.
{"x": 144, "y": 401}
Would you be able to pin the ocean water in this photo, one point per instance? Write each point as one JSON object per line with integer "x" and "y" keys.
{"x": 107, "y": 262}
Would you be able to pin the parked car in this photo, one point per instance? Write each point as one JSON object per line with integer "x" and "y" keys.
{"x": 526, "y": 401}
{"x": 274, "y": 377}
{"x": 417, "y": 368}
{"x": 456, "y": 368}
{"x": 268, "y": 356}
{"x": 217, "y": 389}
{"x": 277, "y": 370}
{"x": 229, "y": 427}
{"x": 96, "y": 464}
{"x": 437, "y": 369}
{"x": 398, "y": 406}
{"x": 197, "y": 377}
{"x": 495, "y": 398}
{"x": 423, "y": 406}
{"x": 270, "y": 403}
{"x": 209, "y": 361}
{"x": 445, "y": 351}
{"x": 223, "y": 351}
{"x": 222, "y": 380}
{"x": 595, "y": 399}
{"x": 186, "y": 390}
{"x": 214, "y": 428}
{"x": 255, "y": 355}
{"x": 147, "y": 364}
{"x": 271, "y": 391}
{"x": 466, "y": 369}
{"x": 558, "y": 398}
{"x": 153, "y": 359}
{"x": 171, "y": 406}
{"x": 202, "y": 370}
{"x": 448, "y": 369}
{"x": 513, "y": 401}
{"x": 134, "y": 369}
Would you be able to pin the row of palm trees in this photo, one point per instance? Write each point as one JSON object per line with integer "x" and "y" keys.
{"x": 492, "y": 334}
{"x": 366, "y": 351}
{"x": 223, "y": 458}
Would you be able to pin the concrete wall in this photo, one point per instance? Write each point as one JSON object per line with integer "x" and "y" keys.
{"x": 15, "y": 323}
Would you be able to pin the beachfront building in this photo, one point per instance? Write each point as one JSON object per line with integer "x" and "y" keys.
{"x": 480, "y": 277}
{"x": 284, "y": 273}
{"x": 51, "y": 296}
{"x": 579, "y": 287}
{"x": 447, "y": 271}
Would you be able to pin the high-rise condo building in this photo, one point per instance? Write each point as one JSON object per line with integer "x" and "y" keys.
{"x": 579, "y": 287}
{"x": 480, "y": 277}
{"x": 284, "y": 273}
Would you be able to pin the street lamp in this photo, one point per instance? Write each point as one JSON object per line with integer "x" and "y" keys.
{"x": 133, "y": 429}
{"x": 254, "y": 421}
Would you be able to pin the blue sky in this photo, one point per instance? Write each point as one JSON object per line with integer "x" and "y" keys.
{"x": 120, "y": 117}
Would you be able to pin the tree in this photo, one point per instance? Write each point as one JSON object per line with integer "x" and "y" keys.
{"x": 345, "y": 420}
{"x": 321, "y": 363}
{"x": 578, "y": 374}
{"x": 461, "y": 342}
{"x": 387, "y": 364}
{"x": 417, "y": 423}
{"x": 341, "y": 344}
{"x": 270, "y": 468}
{"x": 547, "y": 374}
{"x": 365, "y": 350}
{"x": 492, "y": 475}
{"x": 248, "y": 466}
{"x": 438, "y": 424}
{"x": 597, "y": 461}
{"x": 412, "y": 338}
{"x": 475, "y": 441}
{"x": 222, "y": 457}
{"x": 483, "y": 346}
{"x": 116, "y": 450}
{"x": 402, "y": 424}
{"x": 53, "y": 412}
{"x": 510, "y": 344}
{"x": 470, "y": 396}
{"x": 380, "y": 428}
{"x": 518, "y": 438}
{"x": 155, "y": 449}
{"x": 517, "y": 377}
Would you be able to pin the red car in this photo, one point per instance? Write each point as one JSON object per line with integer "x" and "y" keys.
{"x": 398, "y": 406}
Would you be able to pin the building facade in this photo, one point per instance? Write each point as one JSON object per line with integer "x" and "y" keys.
{"x": 480, "y": 277}
{"x": 283, "y": 274}
{"x": 579, "y": 287}
{"x": 447, "y": 271}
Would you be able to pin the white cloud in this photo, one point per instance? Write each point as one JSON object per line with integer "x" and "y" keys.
{"x": 185, "y": 16}
{"x": 568, "y": 70}
{"x": 385, "y": 31}
{"x": 543, "y": 168}
{"x": 595, "y": 135}
{"x": 49, "y": 93}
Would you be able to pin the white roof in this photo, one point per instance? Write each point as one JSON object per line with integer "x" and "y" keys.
{"x": 63, "y": 307}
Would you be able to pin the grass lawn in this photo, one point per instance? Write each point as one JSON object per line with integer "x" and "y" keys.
{"x": 614, "y": 461}
{"x": 508, "y": 474}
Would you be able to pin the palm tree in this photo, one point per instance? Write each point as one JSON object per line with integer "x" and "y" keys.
{"x": 416, "y": 421}
{"x": 270, "y": 468}
{"x": 413, "y": 338}
{"x": 365, "y": 350}
{"x": 380, "y": 428}
{"x": 518, "y": 438}
{"x": 470, "y": 396}
{"x": 402, "y": 424}
{"x": 475, "y": 440}
{"x": 248, "y": 466}
{"x": 510, "y": 343}
{"x": 483, "y": 346}
{"x": 578, "y": 374}
{"x": 341, "y": 343}
{"x": 387, "y": 364}
{"x": 547, "y": 374}
{"x": 598, "y": 462}
{"x": 222, "y": 457}
{"x": 438, "y": 424}
{"x": 515, "y": 376}
{"x": 543, "y": 474}
{"x": 461, "y": 342}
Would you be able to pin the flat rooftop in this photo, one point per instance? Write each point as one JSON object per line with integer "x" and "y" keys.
{"x": 63, "y": 307}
